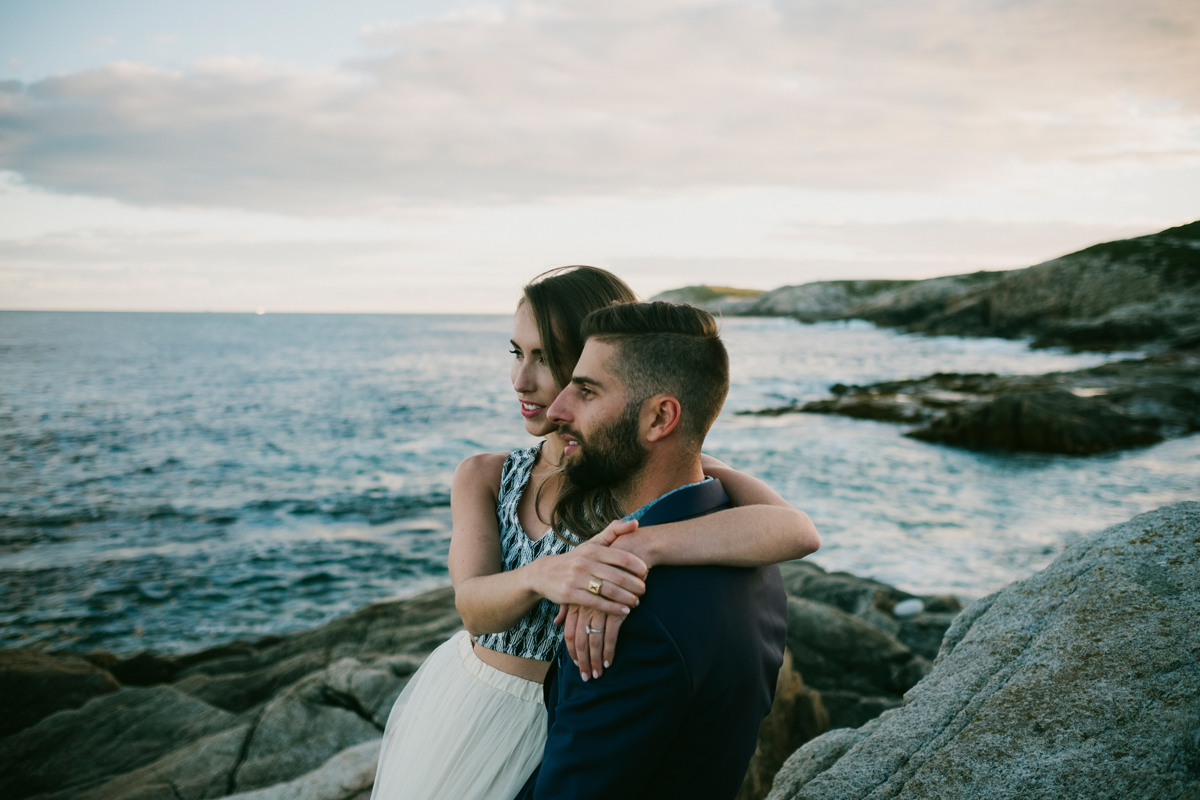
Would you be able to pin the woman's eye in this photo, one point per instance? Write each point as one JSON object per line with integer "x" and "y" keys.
{"x": 516, "y": 353}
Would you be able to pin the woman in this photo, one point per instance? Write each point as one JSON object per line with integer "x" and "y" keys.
{"x": 471, "y": 722}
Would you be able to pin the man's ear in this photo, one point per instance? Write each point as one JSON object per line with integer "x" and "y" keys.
{"x": 660, "y": 416}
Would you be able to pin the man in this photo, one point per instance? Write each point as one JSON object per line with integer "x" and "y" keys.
{"x": 677, "y": 713}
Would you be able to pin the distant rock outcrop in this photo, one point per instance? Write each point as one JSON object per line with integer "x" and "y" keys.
{"x": 1079, "y": 682}
{"x": 1123, "y": 295}
{"x": 714, "y": 299}
{"x": 1114, "y": 406}
{"x": 822, "y": 300}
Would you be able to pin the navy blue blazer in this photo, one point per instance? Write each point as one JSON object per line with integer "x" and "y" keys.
{"x": 677, "y": 713}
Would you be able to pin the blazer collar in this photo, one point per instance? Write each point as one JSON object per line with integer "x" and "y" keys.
{"x": 685, "y": 502}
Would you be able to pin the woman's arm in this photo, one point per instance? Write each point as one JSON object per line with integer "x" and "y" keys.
{"x": 490, "y": 600}
{"x": 761, "y": 529}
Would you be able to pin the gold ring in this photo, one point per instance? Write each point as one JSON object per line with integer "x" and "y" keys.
{"x": 594, "y": 586}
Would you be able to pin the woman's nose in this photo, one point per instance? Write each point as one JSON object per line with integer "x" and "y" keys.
{"x": 522, "y": 381}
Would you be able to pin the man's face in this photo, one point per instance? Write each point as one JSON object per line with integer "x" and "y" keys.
{"x": 600, "y": 427}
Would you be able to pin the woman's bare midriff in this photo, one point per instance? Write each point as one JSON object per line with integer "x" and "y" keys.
{"x": 528, "y": 668}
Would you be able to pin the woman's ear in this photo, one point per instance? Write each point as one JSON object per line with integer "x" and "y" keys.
{"x": 662, "y": 412}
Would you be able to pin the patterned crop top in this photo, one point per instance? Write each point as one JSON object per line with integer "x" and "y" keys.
{"x": 534, "y": 635}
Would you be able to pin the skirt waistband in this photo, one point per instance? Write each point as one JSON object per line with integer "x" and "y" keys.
{"x": 529, "y": 691}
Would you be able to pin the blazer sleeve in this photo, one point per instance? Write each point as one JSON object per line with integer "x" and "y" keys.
{"x": 608, "y": 735}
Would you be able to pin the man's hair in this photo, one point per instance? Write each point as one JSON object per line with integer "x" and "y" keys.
{"x": 671, "y": 349}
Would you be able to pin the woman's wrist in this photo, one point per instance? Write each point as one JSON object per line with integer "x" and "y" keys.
{"x": 642, "y": 544}
{"x": 533, "y": 576}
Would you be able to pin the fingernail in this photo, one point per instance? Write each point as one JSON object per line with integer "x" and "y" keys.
{"x": 573, "y": 661}
{"x": 624, "y": 610}
{"x": 584, "y": 676}
{"x": 595, "y": 673}
{"x": 607, "y": 665}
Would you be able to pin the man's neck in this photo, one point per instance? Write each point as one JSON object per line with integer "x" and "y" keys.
{"x": 663, "y": 472}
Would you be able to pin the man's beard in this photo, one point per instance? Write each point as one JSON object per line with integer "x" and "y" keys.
{"x": 611, "y": 455}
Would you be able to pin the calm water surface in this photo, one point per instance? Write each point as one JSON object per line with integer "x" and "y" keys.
{"x": 173, "y": 481}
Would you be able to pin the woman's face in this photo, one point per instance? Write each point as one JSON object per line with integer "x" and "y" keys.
{"x": 531, "y": 376}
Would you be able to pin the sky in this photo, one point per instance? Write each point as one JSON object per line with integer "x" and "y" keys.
{"x": 433, "y": 155}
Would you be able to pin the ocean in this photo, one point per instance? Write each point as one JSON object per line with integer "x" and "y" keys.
{"x": 175, "y": 481}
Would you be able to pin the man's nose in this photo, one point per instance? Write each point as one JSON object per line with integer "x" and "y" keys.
{"x": 559, "y": 411}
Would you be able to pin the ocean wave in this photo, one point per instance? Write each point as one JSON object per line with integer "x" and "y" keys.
{"x": 375, "y": 509}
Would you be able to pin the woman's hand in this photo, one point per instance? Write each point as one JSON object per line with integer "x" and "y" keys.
{"x": 564, "y": 579}
{"x": 591, "y": 634}
{"x": 591, "y": 638}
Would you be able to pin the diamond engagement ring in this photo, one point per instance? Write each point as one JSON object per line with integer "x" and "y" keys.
{"x": 592, "y": 630}
{"x": 594, "y": 586}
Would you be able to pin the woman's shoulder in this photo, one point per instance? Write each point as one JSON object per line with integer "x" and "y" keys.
{"x": 484, "y": 467}
{"x": 490, "y": 467}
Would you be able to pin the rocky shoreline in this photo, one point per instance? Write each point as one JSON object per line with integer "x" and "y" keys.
{"x": 1134, "y": 294}
{"x": 255, "y": 717}
{"x": 871, "y": 672}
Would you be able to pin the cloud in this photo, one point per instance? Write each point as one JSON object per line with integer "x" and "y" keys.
{"x": 566, "y": 99}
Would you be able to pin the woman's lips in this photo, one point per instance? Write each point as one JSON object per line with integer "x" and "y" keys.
{"x": 529, "y": 410}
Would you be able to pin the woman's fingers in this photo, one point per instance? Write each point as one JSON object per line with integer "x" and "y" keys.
{"x": 618, "y": 558}
{"x": 571, "y": 617}
{"x": 617, "y": 585}
{"x": 583, "y": 655}
{"x": 613, "y": 577}
{"x": 615, "y": 528}
{"x": 596, "y": 643}
{"x": 612, "y": 626}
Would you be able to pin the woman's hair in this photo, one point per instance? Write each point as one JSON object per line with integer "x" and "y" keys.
{"x": 560, "y": 300}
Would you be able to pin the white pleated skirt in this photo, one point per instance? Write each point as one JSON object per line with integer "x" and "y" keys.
{"x": 461, "y": 730}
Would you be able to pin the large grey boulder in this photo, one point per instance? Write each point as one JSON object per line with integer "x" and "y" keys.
{"x": 343, "y": 777}
{"x": 340, "y": 707}
{"x": 34, "y": 685}
{"x": 836, "y": 650}
{"x": 875, "y": 602}
{"x": 201, "y": 769}
{"x": 109, "y": 736}
{"x": 412, "y": 627}
{"x": 1079, "y": 682}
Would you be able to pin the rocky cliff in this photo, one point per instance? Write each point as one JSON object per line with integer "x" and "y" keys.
{"x": 1128, "y": 294}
